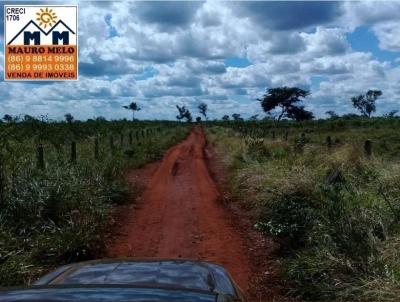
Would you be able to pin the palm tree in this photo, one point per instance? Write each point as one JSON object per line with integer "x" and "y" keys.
{"x": 134, "y": 107}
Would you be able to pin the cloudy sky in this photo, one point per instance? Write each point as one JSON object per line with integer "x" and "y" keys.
{"x": 222, "y": 53}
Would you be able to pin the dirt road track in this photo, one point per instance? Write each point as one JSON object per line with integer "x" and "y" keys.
{"x": 180, "y": 215}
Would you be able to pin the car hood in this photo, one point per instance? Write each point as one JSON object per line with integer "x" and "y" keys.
{"x": 101, "y": 294}
{"x": 169, "y": 274}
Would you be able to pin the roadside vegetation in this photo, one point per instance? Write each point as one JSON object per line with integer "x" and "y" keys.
{"x": 328, "y": 191}
{"x": 59, "y": 182}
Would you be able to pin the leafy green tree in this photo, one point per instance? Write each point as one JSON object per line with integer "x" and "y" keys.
{"x": 332, "y": 114}
{"x": 198, "y": 119}
{"x": 254, "y": 117}
{"x": 366, "y": 103}
{"x": 184, "y": 113}
{"x": 287, "y": 100}
{"x": 7, "y": 118}
{"x": 298, "y": 113}
{"x": 29, "y": 118}
{"x": 133, "y": 107}
{"x": 349, "y": 116}
{"x": 203, "y": 109}
{"x": 391, "y": 114}
{"x": 225, "y": 117}
{"x": 236, "y": 117}
{"x": 69, "y": 118}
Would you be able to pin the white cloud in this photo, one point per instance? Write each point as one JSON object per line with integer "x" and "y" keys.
{"x": 174, "y": 54}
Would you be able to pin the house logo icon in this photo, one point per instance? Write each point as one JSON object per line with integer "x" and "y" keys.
{"x": 40, "y": 42}
{"x": 33, "y": 33}
{"x": 35, "y": 36}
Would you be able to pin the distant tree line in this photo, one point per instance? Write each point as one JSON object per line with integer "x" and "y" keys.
{"x": 278, "y": 103}
{"x": 288, "y": 103}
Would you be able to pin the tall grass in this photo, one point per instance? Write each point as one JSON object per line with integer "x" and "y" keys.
{"x": 62, "y": 213}
{"x": 335, "y": 212}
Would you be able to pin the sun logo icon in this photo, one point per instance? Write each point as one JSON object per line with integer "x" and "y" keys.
{"x": 46, "y": 17}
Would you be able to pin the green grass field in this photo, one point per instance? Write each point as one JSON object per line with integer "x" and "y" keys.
{"x": 335, "y": 210}
{"x": 57, "y": 210}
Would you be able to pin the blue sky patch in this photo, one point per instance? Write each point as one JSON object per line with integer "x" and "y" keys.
{"x": 363, "y": 39}
{"x": 316, "y": 81}
{"x": 148, "y": 73}
{"x": 112, "y": 31}
{"x": 237, "y": 62}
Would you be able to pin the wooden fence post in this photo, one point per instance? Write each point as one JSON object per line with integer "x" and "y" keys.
{"x": 40, "y": 157}
{"x": 303, "y": 138}
{"x": 273, "y": 134}
{"x": 2, "y": 182}
{"x": 96, "y": 148}
{"x": 286, "y": 135}
{"x": 137, "y": 136}
{"x": 111, "y": 143}
{"x": 122, "y": 139}
{"x": 301, "y": 143}
{"x": 368, "y": 148}
{"x": 130, "y": 138}
{"x": 329, "y": 142}
{"x": 73, "y": 152}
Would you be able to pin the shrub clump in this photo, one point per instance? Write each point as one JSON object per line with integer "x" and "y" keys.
{"x": 337, "y": 226}
{"x": 54, "y": 216}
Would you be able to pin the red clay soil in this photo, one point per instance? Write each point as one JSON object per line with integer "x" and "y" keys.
{"x": 181, "y": 214}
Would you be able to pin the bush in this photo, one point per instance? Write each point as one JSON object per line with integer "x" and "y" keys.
{"x": 289, "y": 213}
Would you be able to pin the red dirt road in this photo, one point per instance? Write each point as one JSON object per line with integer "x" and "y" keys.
{"x": 180, "y": 215}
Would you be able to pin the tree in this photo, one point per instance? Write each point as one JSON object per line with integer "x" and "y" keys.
{"x": 184, "y": 113}
{"x": 298, "y": 113}
{"x": 134, "y": 107}
{"x": 391, "y": 114}
{"x": 8, "y": 118}
{"x": 366, "y": 103}
{"x": 287, "y": 99}
{"x": 29, "y": 118}
{"x": 236, "y": 117}
{"x": 254, "y": 117}
{"x": 225, "y": 117}
{"x": 350, "y": 116}
{"x": 203, "y": 109}
{"x": 69, "y": 118}
{"x": 198, "y": 119}
{"x": 332, "y": 114}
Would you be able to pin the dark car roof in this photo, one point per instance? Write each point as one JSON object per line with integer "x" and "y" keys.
{"x": 102, "y": 294}
{"x": 164, "y": 274}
